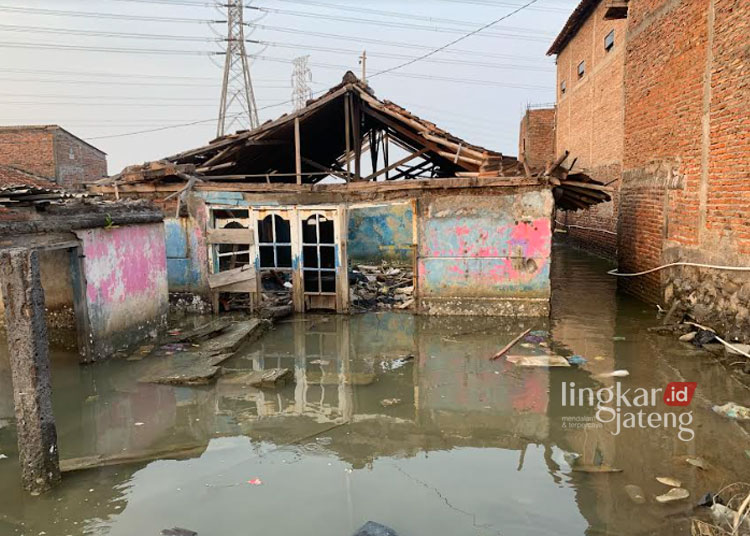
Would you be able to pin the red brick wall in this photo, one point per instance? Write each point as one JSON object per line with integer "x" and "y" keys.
{"x": 77, "y": 162}
{"x": 53, "y": 153}
{"x": 537, "y": 137}
{"x": 29, "y": 150}
{"x": 590, "y": 123}
{"x": 685, "y": 193}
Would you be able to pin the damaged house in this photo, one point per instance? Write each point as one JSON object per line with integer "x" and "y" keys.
{"x": 292, "y": 207}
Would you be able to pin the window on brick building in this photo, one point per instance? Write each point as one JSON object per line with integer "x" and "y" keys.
{"x": 563, "y": 86}
{"x": 609, "y": 41}
{"x": 581, "y": 69}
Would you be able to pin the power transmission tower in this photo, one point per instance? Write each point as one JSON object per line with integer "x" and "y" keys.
{"x": 301, "y": 76}
{"x": 237, "y": 96}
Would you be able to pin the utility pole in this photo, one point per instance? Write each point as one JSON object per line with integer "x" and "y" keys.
{"x": 237, "y": 96}
{"x": 301, "y": 76}
{"x": 363, "y": 63}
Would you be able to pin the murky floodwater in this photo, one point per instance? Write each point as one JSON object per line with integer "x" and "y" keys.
{"x": 447, "y": 443}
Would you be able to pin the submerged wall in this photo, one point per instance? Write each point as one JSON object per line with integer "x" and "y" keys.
{"x": 486, "y": 255}
{"x": 381, "y": 232}
{"x": 126, "y": 284}
{"x": 186, "y": 251}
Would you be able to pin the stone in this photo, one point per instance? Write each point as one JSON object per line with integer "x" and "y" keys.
{"x": 28, "y": 350}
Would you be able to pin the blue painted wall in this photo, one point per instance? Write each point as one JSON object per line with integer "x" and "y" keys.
{"x": 186, "y": 256}
{"x": 381, "y": 232}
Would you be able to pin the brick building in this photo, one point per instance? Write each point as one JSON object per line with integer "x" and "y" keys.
{"x": 590, "y": 53}
{"x": 536, "y": 144}
{"x": 669, "y": 106}
{"x": 51, "y": 152}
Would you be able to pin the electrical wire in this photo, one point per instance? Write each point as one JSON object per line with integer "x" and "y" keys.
{"x": 458, "y": 40}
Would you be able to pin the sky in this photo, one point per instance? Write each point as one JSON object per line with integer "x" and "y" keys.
{"x": 62, "y": 62}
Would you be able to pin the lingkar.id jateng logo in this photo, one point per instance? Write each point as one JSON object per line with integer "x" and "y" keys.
{"x": 626, "y": 408}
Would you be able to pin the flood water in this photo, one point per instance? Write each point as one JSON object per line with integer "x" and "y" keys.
{"x": 446, "y": 443}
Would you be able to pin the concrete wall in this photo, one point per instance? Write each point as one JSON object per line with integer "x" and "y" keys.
{"x": 54, "y": 266}
{"x": 590, "y": 122}
{"x": 381, "y": 232}
{"x": 536, "y": 142}
{"x": 686, "y": 179}
{"x": 186, "y": 250}
{"x": 126, "y": 284}
{"x": 485, "y": 255}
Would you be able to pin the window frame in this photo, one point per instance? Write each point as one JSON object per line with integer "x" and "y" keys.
{"x": 581, "y": 69}
{"x": 611, "y": 45}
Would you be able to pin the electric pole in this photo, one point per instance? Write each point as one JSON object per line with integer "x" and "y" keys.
{"x": 237, "y": 96}
{"x": 363, "y": 62}
{"x": 301, "y": 76}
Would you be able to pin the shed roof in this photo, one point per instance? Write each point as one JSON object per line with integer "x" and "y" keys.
{"x": 12, "y": 176}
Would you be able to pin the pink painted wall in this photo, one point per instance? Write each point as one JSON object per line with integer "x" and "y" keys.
{"x": 126, "y": 283}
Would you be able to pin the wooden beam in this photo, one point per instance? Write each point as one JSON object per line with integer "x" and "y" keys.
{"x": 396, "y": 164}
{"x": 347, "y": 126}
{"x": 342, "y": 174}
{"x": 456, "y": 157}
{"x": 230, "y": 236}
{"x": 356, "y": 124}
{"x": 297, "y": 151}
{"x": 229, "y": 277}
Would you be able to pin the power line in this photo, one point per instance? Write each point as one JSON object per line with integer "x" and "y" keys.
{"x": 458, "y": 40}
{"x": 98, "y": 15}
{"x": 113, "y": 50}
{"x": 121, "y": 75}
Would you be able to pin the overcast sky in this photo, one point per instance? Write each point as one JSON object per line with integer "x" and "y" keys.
{"x": 96, "y": 94}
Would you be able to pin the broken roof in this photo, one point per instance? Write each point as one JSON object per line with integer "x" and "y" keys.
{"x": 267, "y": 154}
{"x": 12, "y": 176}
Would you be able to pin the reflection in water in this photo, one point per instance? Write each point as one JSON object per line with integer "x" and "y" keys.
{"x": 446, "y": 442}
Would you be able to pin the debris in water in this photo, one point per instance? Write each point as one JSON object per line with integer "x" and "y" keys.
{"x": 374, "y": 529}
{"x": 390, "y": 402}
{"x": 255, "y": 482}
{"x": 635, "y": 493}
{"x": 618, "y": 338}
{"x": 3, "y": 457}
{"x": 381, "y": 287}
{"x": 138, "y": 424}
{"x": 321, "y": 362}
{"x": 709, "y": 499}
{"x": 703, "y": 336}
{"x": 696, "y": 461}
{"x": 544, "y": 360}
{"x": 577, "y": 360}
{"x": 540, "y": 333}
{"x": 510, "y": 345}
{"x": 615, "y": 374}
{"x": 599, "y": 358}
{"x": 667, "y": 481}
{"x": 178, "y": 532}
{"x": 674, "y": 494}
{"x": 396, "y": 363}
{"x": 688, "y": 337}
{"x": 734, "y": 411}
{"x": 603, "y": 468}
{"x": 90, "y": 399}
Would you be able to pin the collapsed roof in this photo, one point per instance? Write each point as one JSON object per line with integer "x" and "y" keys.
{"x": 328, "y": 137}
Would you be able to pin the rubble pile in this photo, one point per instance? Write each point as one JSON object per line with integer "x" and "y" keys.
{"x": 381, "y": 287}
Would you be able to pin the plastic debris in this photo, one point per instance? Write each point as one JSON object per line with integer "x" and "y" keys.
{"x": 396, "y": 363}
{"x": 635, "y": 493}
{"x": 374, "y": 529}
{"x": 733, "y": 411}
{"x": 723, "y": 515}
{"x": 539, "y": 333}
{"x": 255, "y": 482}
{"x": 536, "y": 339}
{"x": 709, "y": 499}
{"x": 688, "y": 337}
{"x": 615, "y": 374}
{"x": 178, "y": 532}
{"x": 577, "y": 360}
{"x": 545, "y": 360}
{"x": 668, "y": 481}
{"x": 390, "y": 402}
{"x": 674, "y": 494}
{"x": 3, "y": 457}
{"x": 703, "y": 336}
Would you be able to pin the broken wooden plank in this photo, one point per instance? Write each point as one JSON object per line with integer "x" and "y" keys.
{"x": 509, "y": 345}
{"x": 203, "y": 331}
{"x": 190, "y": 368}
{"x": 230, "y": 236}
{"x": 228, "y": 277}
{"x": 234, "y": 336}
